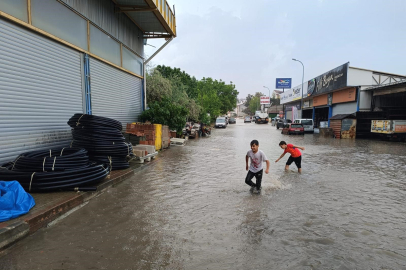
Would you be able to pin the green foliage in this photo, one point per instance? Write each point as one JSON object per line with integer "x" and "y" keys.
{"x": 157, "y": 86}
{"x": 190, "y": 83}
{"x": 253, "y": 103}
{"x": 165, "y": 112}
{"x": 198, "y": 97}
{"x": 216, "y": 97}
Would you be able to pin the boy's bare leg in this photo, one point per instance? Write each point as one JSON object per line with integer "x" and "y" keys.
{"x": 286, "y": 167}
{"x": 299, "y": 170}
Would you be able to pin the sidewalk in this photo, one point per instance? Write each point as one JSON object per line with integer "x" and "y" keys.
{"x": 50, "y": 206}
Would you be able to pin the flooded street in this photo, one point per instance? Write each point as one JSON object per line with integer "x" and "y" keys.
{"x": 190, "y": 209}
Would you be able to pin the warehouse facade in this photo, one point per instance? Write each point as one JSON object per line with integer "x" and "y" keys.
{"x": 58, "y": 58}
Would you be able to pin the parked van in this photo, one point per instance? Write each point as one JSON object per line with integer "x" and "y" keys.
{"x": 307, "y": 124}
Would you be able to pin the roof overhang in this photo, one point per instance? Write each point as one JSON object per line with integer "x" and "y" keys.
{"x": 154, "y": 17}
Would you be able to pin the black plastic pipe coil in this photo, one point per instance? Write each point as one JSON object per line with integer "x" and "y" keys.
{"x": 51, "y": 160}
{"x": 102, "y": 138}
{"x": 87, "y": 120}
{"x": 68, "y": 180}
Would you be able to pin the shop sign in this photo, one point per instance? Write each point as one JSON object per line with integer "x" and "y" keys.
{"x": 320, "y": 100}
{"x": 283, "y": 83}
{"x": 264, "y": 100}
{"x": 346, "y": 95}
{"x": 306, "y": 104}
{"x": 292, "y": 94}
{"x": 289, "y": 106}
{"x": 329, "y": 81}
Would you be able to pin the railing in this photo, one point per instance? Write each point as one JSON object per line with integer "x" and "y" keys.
{"x": 167, "y": 14}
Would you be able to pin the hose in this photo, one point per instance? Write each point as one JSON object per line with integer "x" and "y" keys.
{"x": 87, "y": 120}
{"x": 117, "y": 163}
{"x": 51, "y": 160}
{"x": 75, "y": 179}
{"x": 102, "y": 138}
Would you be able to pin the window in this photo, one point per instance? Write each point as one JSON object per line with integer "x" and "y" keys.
{"x": 307, "y": 122}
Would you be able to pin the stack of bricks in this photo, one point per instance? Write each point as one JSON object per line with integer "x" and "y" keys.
{"x": 166, "y": 137}
{"x": 144, "y": 132}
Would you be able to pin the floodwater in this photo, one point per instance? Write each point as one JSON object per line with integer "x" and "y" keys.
{"x": 190, "y": 209}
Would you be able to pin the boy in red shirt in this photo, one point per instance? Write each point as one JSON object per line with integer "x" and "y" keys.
{"x": 295, "y": 155}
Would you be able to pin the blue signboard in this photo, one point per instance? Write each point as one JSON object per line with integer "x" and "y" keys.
{"x": 283, "y": 83}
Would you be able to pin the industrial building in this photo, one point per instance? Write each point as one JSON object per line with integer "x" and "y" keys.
{"x": 61, "y": 57}
{"x": 368, "y": 94}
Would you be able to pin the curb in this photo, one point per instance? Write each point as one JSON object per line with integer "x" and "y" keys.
{"x": 31, "y": 223}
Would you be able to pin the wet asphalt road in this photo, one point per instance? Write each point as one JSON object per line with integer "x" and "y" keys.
{"x": 191, "y": 209}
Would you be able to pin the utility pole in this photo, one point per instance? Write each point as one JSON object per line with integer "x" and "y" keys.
{"x": 301, "y": 98}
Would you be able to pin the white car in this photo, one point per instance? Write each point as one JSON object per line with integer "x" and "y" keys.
{"x": 221, "y": 122}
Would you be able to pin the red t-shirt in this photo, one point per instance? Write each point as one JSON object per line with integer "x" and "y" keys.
{"x": 295, "y": 152}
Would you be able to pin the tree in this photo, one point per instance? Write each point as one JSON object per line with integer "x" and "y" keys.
{"x": 157, "y": 86}
{"x": 165, "y": 112}
{"x": 189, "y": 82}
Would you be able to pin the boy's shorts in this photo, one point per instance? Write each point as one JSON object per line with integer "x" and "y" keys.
{"x": 297, "y": 160}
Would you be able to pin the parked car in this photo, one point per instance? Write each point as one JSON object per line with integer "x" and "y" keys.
{"x": 307, "y": 124}
{"x": 232, "y": 120}
{"x": 221, "y": 122}
{"x": 262, "y": 118}
{"x": 247, "y": 119}
{"x": 282, "y": 123}
{"x": 293, "y": 129}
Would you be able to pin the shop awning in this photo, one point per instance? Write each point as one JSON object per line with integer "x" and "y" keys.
{"x": 154, "y": 17}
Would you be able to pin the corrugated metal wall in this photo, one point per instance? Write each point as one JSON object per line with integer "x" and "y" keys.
{"x": 40, "y": 89}
{"x": 115, "y": 94}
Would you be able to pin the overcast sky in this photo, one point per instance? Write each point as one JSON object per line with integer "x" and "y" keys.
{"x": 252, "y": 42}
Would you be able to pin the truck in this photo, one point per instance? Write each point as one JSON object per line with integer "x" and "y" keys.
{"x": 389, "y": 129}
{"x": 262, "y": 118}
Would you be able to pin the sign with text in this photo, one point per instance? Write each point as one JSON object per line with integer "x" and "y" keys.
{"x": 285, "y": 83}
{"x": 329, "y": 81}
{"x": 320, "y": 100}
{"x": 264, "y": 100}
{"x": 346, "y": 95}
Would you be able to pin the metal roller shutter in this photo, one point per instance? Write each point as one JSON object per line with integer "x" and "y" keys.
{"x": 40, "y": 89}
{"x": 345, "y": 108}
{"x": 115, "y": 94}
{"x": 289, "y": 115}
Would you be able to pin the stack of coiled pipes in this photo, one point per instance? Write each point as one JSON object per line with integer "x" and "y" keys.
{"x": 102, "y": 138}
{"x": 65, "y": 169}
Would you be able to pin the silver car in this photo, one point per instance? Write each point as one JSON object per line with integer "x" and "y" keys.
{"x": 221, "y": 122}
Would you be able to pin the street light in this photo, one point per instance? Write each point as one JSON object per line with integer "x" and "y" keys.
{"x": 301, "y": 100}
{"x": 269, "y": 96}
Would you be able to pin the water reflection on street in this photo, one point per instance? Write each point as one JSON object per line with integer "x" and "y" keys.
{"x": 191, "y": 209}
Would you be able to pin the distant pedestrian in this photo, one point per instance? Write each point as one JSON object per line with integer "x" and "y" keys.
{"x": 295, "y": 155}
{"x": 257, "y": 158}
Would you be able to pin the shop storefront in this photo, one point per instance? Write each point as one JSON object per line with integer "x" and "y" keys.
{"x": 307, "y": 109}
{"x": 321, "y": 109}
{"x": 345, "y": 101}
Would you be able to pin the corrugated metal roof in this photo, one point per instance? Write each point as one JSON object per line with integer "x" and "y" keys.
{"x": 389, "y": 85}
{"x": 157, "y": 19}
{"x": 342, "y": 116}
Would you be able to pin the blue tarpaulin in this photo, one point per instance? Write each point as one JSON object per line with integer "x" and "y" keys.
{"x": 14, "y": 201}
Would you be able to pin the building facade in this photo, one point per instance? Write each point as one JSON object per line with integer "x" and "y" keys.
{"x": 58, "y": 58}
{"x": 343, "y": 90}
